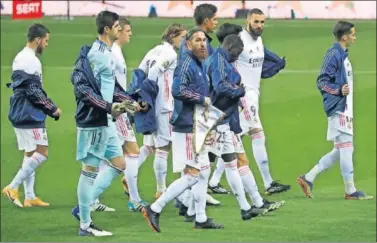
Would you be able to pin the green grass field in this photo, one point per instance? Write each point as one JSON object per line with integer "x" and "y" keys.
{"x": 294, "y": 122}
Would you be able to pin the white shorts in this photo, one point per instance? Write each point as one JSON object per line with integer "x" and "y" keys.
{"x": 339, "y": 128}
{"x": 124, "y": 129}
{"x": 28, "y": 139}
{"x": 238, "y": 145}
{"x": 184, "y": 154}
{"x": 223, "y": 143}
{"x": 163, "y": 136}
{"x": 249, "y": 117}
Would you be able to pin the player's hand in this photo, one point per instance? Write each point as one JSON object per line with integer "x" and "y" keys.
{"x": 116, "y": 110}
{"x": 57, "y": 113}
{"x": 144, "y": 106}
{"x": 345, "y": 90}
{"x": 130, "y": 107}
{"x": 207, "y": 101}
{"x": 242, "y": 89}
{"x": 210, "y": 138}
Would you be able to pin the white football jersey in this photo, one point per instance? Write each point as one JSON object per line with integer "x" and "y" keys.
{"x": 349, "y": 103}
{"x": 121, "y": 67}
{"x": 250, "y": 61}
{"x": 27, "y": 61}
{"x": 165, "y": 57}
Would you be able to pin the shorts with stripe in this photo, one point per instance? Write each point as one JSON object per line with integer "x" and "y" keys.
{"x": 124, "y": 129}
{"x": 184, "y": 154}
{"x": 28, "y": 139}
{"x": 340, "y": 129}
{"x": 163, "y": 136}
{"x": 249, "y": 117}
{"x": 223, "y": 143}
{"x": 96, "y": 144}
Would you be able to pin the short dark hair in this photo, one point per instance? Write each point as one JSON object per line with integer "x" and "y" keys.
{"x": 124, "y": 21}
{"x": 36, "y": 31}
{"x": 254, "y": 11}
{"x": 342, "y": 28}
{"x": 232, "y": 40}
{"x": 204, "y": 11}
{"x": 191, "y": 32}
{"x": 105, "y": 19}
{"x": 227, "y": 29}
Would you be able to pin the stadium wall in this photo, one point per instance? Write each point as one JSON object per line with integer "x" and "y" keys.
{"x": 273, "y": 9}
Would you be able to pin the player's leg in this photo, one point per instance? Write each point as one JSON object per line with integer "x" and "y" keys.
{"x": 97, "y": 205}
{"x": 131, "y": 175}
{"x": 306, "y": 181}
{"x": 183, "y": 160}
{"x": 160, "y": 166}
{"x": 162, "y": 142}
{"x": 214, "y": 183}
{"x": 147, "y": 149}
{"x": 91, "y": 147}
{"x": 344, "y": 143}
{"x": 251, "y": 187}
{"x": 34, "y": 142}
{"x": 232, "y": 175}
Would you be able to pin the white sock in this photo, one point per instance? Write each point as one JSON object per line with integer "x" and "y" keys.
{"x": 190, "y": 201}
{"x": 31, "y": 164}
{"x": 324, "y": 163}
{"x": 216, "y": 176}
{"x": 250, "y": 185}
{"x": 199, "y": 190}
{"x": 145, "y": 151}
{"x": 235, "y": 183}
{"x": 29, "y": 184}
{"x": 346, "y": 166}
{"x": 260, "y": 156}
{"x": 160, "y": 165}
{"x": 173, "y": 190}
{"x": 131, "y": 173}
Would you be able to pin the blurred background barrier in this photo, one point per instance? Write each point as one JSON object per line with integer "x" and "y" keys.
{"x": 20, "y": 9}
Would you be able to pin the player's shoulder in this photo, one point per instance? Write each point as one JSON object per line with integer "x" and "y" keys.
{"x": 27, "y": 61}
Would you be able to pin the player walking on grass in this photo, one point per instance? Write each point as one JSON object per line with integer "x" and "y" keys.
{"x": 228, "y": 140}
{"x": 29, "y": 106}
{"x": 96, "y": 90}
{"x": 226, "y": 90}
{"x": 159, "y": 65}
{"x": 335, "y": 83}
{"x": 250, "y": 65}
{"x": 190, "y": 88}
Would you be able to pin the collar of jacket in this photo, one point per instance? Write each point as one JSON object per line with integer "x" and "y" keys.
{"x": 224, "y": 52}
{"x": 343, "y": 52}
{"x": 102, "y": 43}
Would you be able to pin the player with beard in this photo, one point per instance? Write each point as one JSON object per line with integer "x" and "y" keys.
{"x": 29, "y": 106}
{"x": 249, "y": 65}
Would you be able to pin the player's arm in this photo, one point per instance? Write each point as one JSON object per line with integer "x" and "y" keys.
{"x": 120, "y": 95}
{"x": 36, "y": 95}
{"x": 181, "y": 89}
{"x": 326, "y": 81}
{"x": 87, "y": 95}
{"x": 269, "y": 55}
{"x": 220, "y": 83}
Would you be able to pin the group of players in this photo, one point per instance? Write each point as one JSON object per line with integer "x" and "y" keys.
{"x": 174, "y": 78}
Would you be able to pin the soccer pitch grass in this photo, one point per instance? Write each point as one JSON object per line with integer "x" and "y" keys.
{"x": 292, "y": 115}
